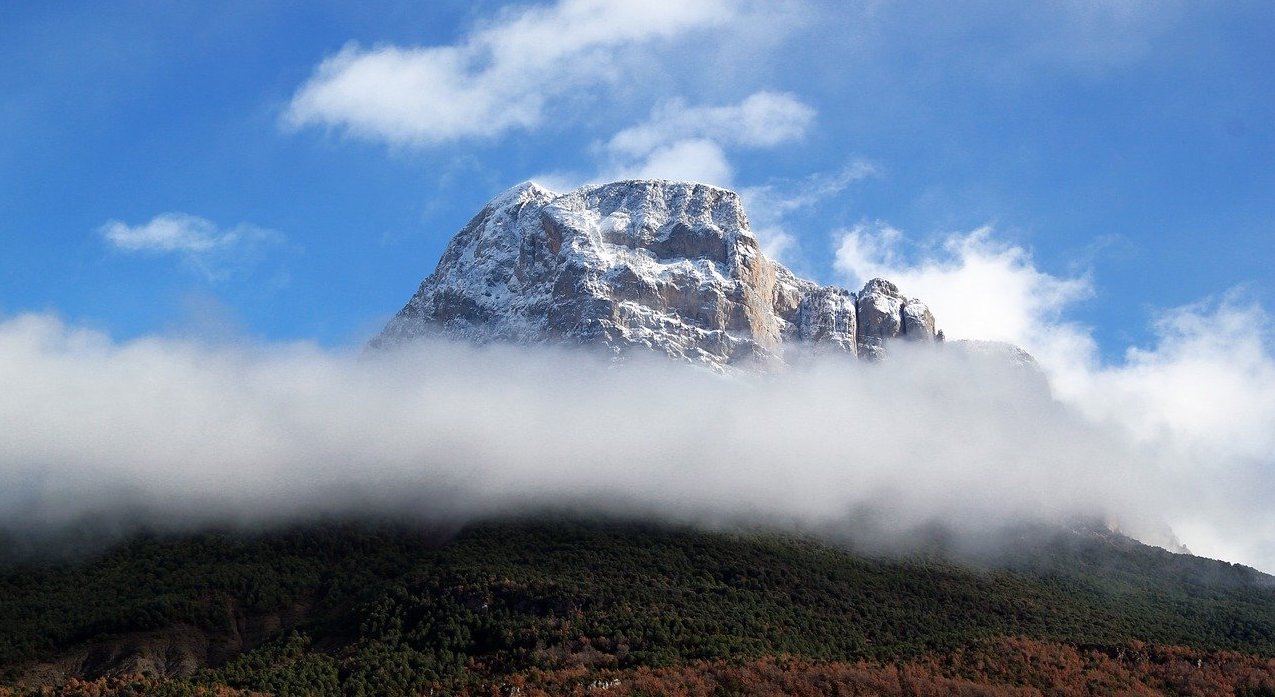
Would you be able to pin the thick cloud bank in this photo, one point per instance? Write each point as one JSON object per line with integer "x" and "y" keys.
{"x": 195, "y": 433}
{"x": 1197, "y": 401}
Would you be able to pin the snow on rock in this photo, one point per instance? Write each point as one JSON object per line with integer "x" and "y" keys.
{"x": 657, "y": 265}
{"x": 884, "y": 313}
{"x": 918, "y": 321}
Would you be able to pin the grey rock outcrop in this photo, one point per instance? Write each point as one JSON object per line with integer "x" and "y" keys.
{"x": 671, "y": 267}
{"x": 884, "y": 313}
{"x": 827, "y": 316}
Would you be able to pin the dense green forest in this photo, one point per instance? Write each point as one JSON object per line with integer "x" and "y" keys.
{"x": 372, "y": 609}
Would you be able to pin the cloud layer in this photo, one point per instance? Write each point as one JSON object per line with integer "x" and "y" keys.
{"x": 191, "y": 433}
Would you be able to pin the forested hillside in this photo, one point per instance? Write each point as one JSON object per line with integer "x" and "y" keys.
{"x": 561, "y": 605}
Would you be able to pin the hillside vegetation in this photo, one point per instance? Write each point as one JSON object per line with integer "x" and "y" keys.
{"x": 559, "y": 605}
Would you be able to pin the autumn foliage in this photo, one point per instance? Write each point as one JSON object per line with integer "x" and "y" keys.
{"x": 1003, "y": 667}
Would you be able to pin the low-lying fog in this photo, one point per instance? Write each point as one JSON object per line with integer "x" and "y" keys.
{"x": 193, "y": 432}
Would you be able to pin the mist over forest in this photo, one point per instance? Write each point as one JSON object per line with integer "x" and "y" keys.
{"x": 178, "y": 433}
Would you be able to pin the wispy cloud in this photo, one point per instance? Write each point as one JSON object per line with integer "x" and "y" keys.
{"x": 761, "y": 120}
{"x": 212, "y": 250}
{"x": 692, "y": 143}
{"x": 680, "y": 141}
{"x": 771, "y": 205}
{"x": 998, "y": 41}
{"x": 692, "y": 159}
{"x": 498, "y": 78}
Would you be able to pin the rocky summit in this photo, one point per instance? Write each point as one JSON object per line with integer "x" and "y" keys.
{"x": 671, "y": 267}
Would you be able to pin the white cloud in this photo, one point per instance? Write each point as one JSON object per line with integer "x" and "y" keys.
{"x": 1199, "y": 402}
{"x": 167, "y": 232}
{"x": 198, "y": 241}
{"x": 1203, "y": 399}
{"x": 1209, "y": 376}
{"x": 981, "y": 288}
{"x": 688, "y": 143}
{"x": 195, "y": 432}
{"x": 496, "y": 79}
{"x": 761, "y": 120}
{"x": 691, "y": 160}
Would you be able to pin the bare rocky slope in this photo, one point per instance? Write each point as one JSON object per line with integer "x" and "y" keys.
{"x": 645, "y": 264}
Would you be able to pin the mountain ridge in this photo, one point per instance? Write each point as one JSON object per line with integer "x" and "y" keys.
{"x": 671, "y": 267}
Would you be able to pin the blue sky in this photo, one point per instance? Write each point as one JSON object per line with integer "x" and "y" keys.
{"x": 1126, "y": 143}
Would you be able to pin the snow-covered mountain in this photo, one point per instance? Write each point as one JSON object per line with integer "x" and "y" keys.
{"x": 646, "y": 264}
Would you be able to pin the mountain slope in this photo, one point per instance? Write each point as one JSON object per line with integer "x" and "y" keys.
{"x": 671, "y": 267}
{"x": 390, "y": 610}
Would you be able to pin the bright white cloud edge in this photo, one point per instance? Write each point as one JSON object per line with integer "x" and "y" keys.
{"x": 494, "y": 80}
{"x": 1201, "y": 398}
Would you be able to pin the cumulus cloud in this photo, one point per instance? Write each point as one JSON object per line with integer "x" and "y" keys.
{"x": 1199, "y": 400}
{"x": 1210, "y": 374}
{"x": 212, "y": 250}
{"x": 981, "y": 287}
{"x": 498, "y": 78}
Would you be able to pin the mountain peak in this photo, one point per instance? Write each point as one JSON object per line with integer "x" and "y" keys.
{"x": 517, "y": 193}
{"x": 653, "y": 264}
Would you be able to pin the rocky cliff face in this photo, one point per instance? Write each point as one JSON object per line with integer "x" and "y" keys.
{"x": 665, "y": 266}
{"x": 885, "y": 314}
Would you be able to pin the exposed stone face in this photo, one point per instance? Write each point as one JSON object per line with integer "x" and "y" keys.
{"x": 666, "y": 266}
{"x": 885, "y": 313}
{"x": 880, "y": 308}
{"x": 918, "y": 321}
{"x": 827, "y": 317}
